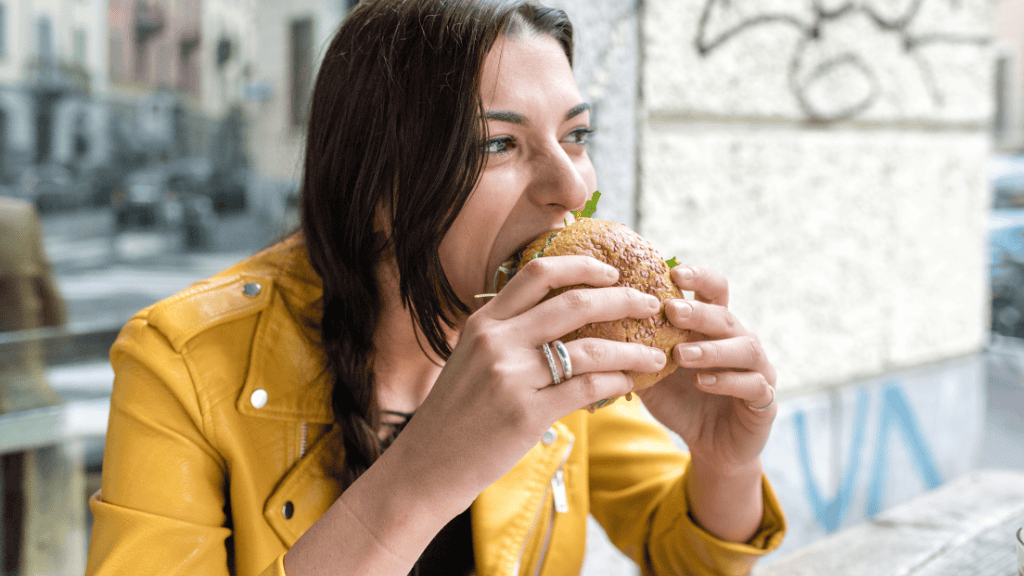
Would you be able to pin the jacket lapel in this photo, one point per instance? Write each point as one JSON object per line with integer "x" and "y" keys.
{"x": 308, "y": 490}
{"x": 287, "y": 366}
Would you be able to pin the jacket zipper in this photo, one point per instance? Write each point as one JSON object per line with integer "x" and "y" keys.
{"x": 302, "y": 442}
{"x": 560, "y": 504}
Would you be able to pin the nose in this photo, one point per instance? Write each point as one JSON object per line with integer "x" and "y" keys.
{"x": 556, "y": 181}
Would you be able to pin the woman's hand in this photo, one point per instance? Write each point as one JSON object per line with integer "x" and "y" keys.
{"x": 714, "y": 402}
{"x": 721, "y": 402}
{"x": 495, "y": 397}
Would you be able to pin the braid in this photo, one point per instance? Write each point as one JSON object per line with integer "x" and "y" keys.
{"x": 347, "y": 329}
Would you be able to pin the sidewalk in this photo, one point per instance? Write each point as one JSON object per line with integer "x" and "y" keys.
{"x": 1003, "y": 442}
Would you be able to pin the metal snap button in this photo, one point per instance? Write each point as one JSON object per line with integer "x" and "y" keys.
{"x": 549, "y": 437}
{"x": 258, "y": 398}
{"x": 288, "y": 510}
{"x": 251, "y": 289}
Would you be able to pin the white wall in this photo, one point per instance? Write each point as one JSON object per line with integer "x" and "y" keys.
{"x": 833, "y": 168}
{"x": 837, "y": 181}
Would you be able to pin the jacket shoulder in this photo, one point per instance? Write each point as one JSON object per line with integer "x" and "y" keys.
{"x": 243, "y": 290}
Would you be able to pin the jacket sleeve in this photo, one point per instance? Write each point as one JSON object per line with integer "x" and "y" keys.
{"x": 637, "y": 479}
{"x": 161, "y": 508}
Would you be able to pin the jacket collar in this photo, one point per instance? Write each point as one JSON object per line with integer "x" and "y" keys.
{"x": 286, "y": 362}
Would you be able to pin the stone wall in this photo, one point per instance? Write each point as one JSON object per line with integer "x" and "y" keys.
{"x": 831, "y": 167}
{"x": 830, "y": 162}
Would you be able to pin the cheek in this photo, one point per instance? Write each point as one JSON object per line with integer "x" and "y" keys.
{"x": 464, "y": 249}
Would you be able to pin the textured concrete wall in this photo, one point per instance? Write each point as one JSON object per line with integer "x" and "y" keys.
{"x": 607, "y": 69}
{"x": 830, "y": 163}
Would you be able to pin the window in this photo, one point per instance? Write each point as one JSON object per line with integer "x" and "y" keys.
{"x": 117, "y": 56}
{"x": 44, "y": 39}
{"x": 301, "y": 72}
{"x": 80, "y": 47}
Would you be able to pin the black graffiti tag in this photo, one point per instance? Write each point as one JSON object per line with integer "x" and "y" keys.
{"x": 804, "y": 73}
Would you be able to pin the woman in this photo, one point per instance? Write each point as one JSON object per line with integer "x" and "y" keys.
{"x": 251, "y": 413}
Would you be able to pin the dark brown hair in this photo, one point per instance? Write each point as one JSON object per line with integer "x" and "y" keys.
{"x": 395, "y": 123}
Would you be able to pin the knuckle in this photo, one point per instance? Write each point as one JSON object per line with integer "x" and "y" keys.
{"x": 712, "y": 353}
{"x": 486, "y": 338}
{"x": 761, "y": 380}
{"x": 594, "y": 351}
{"x": 579, "y": 298}
{"x": 754, "y": 350}
{"x": 474, "y": 324}
{"x": 589, "y": 384}
{"x": 730, "y": 319}
{"x": 535, "y": 269}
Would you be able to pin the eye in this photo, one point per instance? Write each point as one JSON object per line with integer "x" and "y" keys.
{"x": 579, "y": 136}
{"x": 500, "y": 145}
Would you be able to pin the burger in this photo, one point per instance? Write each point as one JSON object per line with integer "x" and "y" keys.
{"x": 640, "y": 267}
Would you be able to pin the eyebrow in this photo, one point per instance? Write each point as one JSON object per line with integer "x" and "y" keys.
{"x": 517, "y": 118}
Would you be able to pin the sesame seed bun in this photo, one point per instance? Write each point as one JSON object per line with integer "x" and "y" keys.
{"x": 640, "y": 267}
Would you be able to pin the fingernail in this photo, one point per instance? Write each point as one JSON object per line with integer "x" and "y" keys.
{"x": 612, "y": 271}
{"x": 690, "y": 352}
{"x": 653, "y": 302}
{"x": 683, "y": 309}
{"x": 707, "y": 379}
{"x": 658, "y": 356}
{"x": 686, "y": 273}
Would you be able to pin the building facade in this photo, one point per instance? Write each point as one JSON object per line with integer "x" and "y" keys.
{"x": 292, "y": 39}
{"x": 52, "y": 60}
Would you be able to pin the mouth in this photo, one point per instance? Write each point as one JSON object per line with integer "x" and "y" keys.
{"x": 508, "y": 268}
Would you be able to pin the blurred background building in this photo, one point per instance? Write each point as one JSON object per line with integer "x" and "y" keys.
{"x": 854, "y": 168}
{"x": 1008, "y": 119}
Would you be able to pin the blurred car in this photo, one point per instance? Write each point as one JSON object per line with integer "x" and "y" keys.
{"x": 1006, "y": 258}
{"x": 141, "y": 202}
{"x": 229, "y": 190}
{"x": 52, "y": 187}
{"x": 1006, "y": 244}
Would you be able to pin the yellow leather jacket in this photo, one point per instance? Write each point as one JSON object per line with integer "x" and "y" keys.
{"x": 220, "y": 452}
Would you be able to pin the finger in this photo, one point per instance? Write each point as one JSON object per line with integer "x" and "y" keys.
{"x": 751, "y": 387}
{"x": 572, "y": 309}
{"x": 599, "y": 355}
{"x": 740, "y": 353}
{"x": 586, "y": 389}
{"x": 594, "y": 355}
{"x": 709, "y": 319}
{"x": 707, "y": 285}
{"x": 542, "y": 275}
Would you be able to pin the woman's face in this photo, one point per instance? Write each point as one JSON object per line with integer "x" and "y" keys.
{"x": 536, "y": 169}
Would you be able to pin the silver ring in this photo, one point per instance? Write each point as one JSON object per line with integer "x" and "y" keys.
{"x": 770, "y": 404}
{"x": 551, "y": 361}
{"x": 563, "y": 357}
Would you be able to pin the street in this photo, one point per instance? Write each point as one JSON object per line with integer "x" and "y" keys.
{"x": 105, "y": 278}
